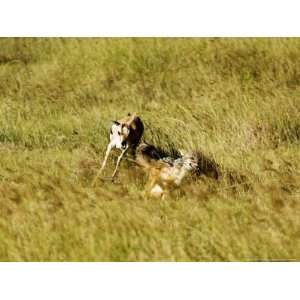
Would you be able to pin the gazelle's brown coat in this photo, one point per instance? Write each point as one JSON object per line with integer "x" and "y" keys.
{"x": 125, "y": 134}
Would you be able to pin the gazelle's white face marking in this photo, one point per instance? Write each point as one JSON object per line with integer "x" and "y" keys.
{"x": 118, "y": 135}
{"x": 190, "y": 162}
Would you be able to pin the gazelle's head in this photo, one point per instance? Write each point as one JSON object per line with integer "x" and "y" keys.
{"x": 190, "y": 160}
{"x": 119, "y": 133}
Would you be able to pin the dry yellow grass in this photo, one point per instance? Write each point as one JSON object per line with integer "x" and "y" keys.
{"x": 235, "y": 99}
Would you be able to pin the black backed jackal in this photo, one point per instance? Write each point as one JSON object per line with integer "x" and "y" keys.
{"x": 164, "y": 173}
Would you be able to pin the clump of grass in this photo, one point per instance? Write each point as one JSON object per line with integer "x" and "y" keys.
{"x": 235, "y": 100}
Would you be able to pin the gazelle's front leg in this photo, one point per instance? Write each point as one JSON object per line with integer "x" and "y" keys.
{"x": 109, "y": 148}
{"x": 119, "y": 160}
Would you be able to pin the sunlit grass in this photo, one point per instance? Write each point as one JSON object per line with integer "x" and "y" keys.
{"x": 237, "y": 100}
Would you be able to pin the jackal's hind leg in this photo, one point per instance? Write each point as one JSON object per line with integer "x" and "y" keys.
{"x": 153, "y": 187}
{"x": 157, "y": 191}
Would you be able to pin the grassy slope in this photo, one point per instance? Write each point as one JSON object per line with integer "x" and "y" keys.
{"x": 236, "y": 99}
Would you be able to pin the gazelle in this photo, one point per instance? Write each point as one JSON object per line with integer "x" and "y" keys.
{"x": 165, "y": 173}
{"x": 125, "y": 134}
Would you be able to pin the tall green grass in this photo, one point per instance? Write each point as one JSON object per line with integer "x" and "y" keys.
{"x": 237, "y": 100}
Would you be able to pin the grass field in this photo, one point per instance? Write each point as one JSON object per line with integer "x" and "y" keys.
{"x": 238, "y": 100}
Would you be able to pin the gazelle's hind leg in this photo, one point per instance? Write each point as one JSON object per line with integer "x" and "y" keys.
{"x": 118, "y": 161}
{"x": 109, "y": 148}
